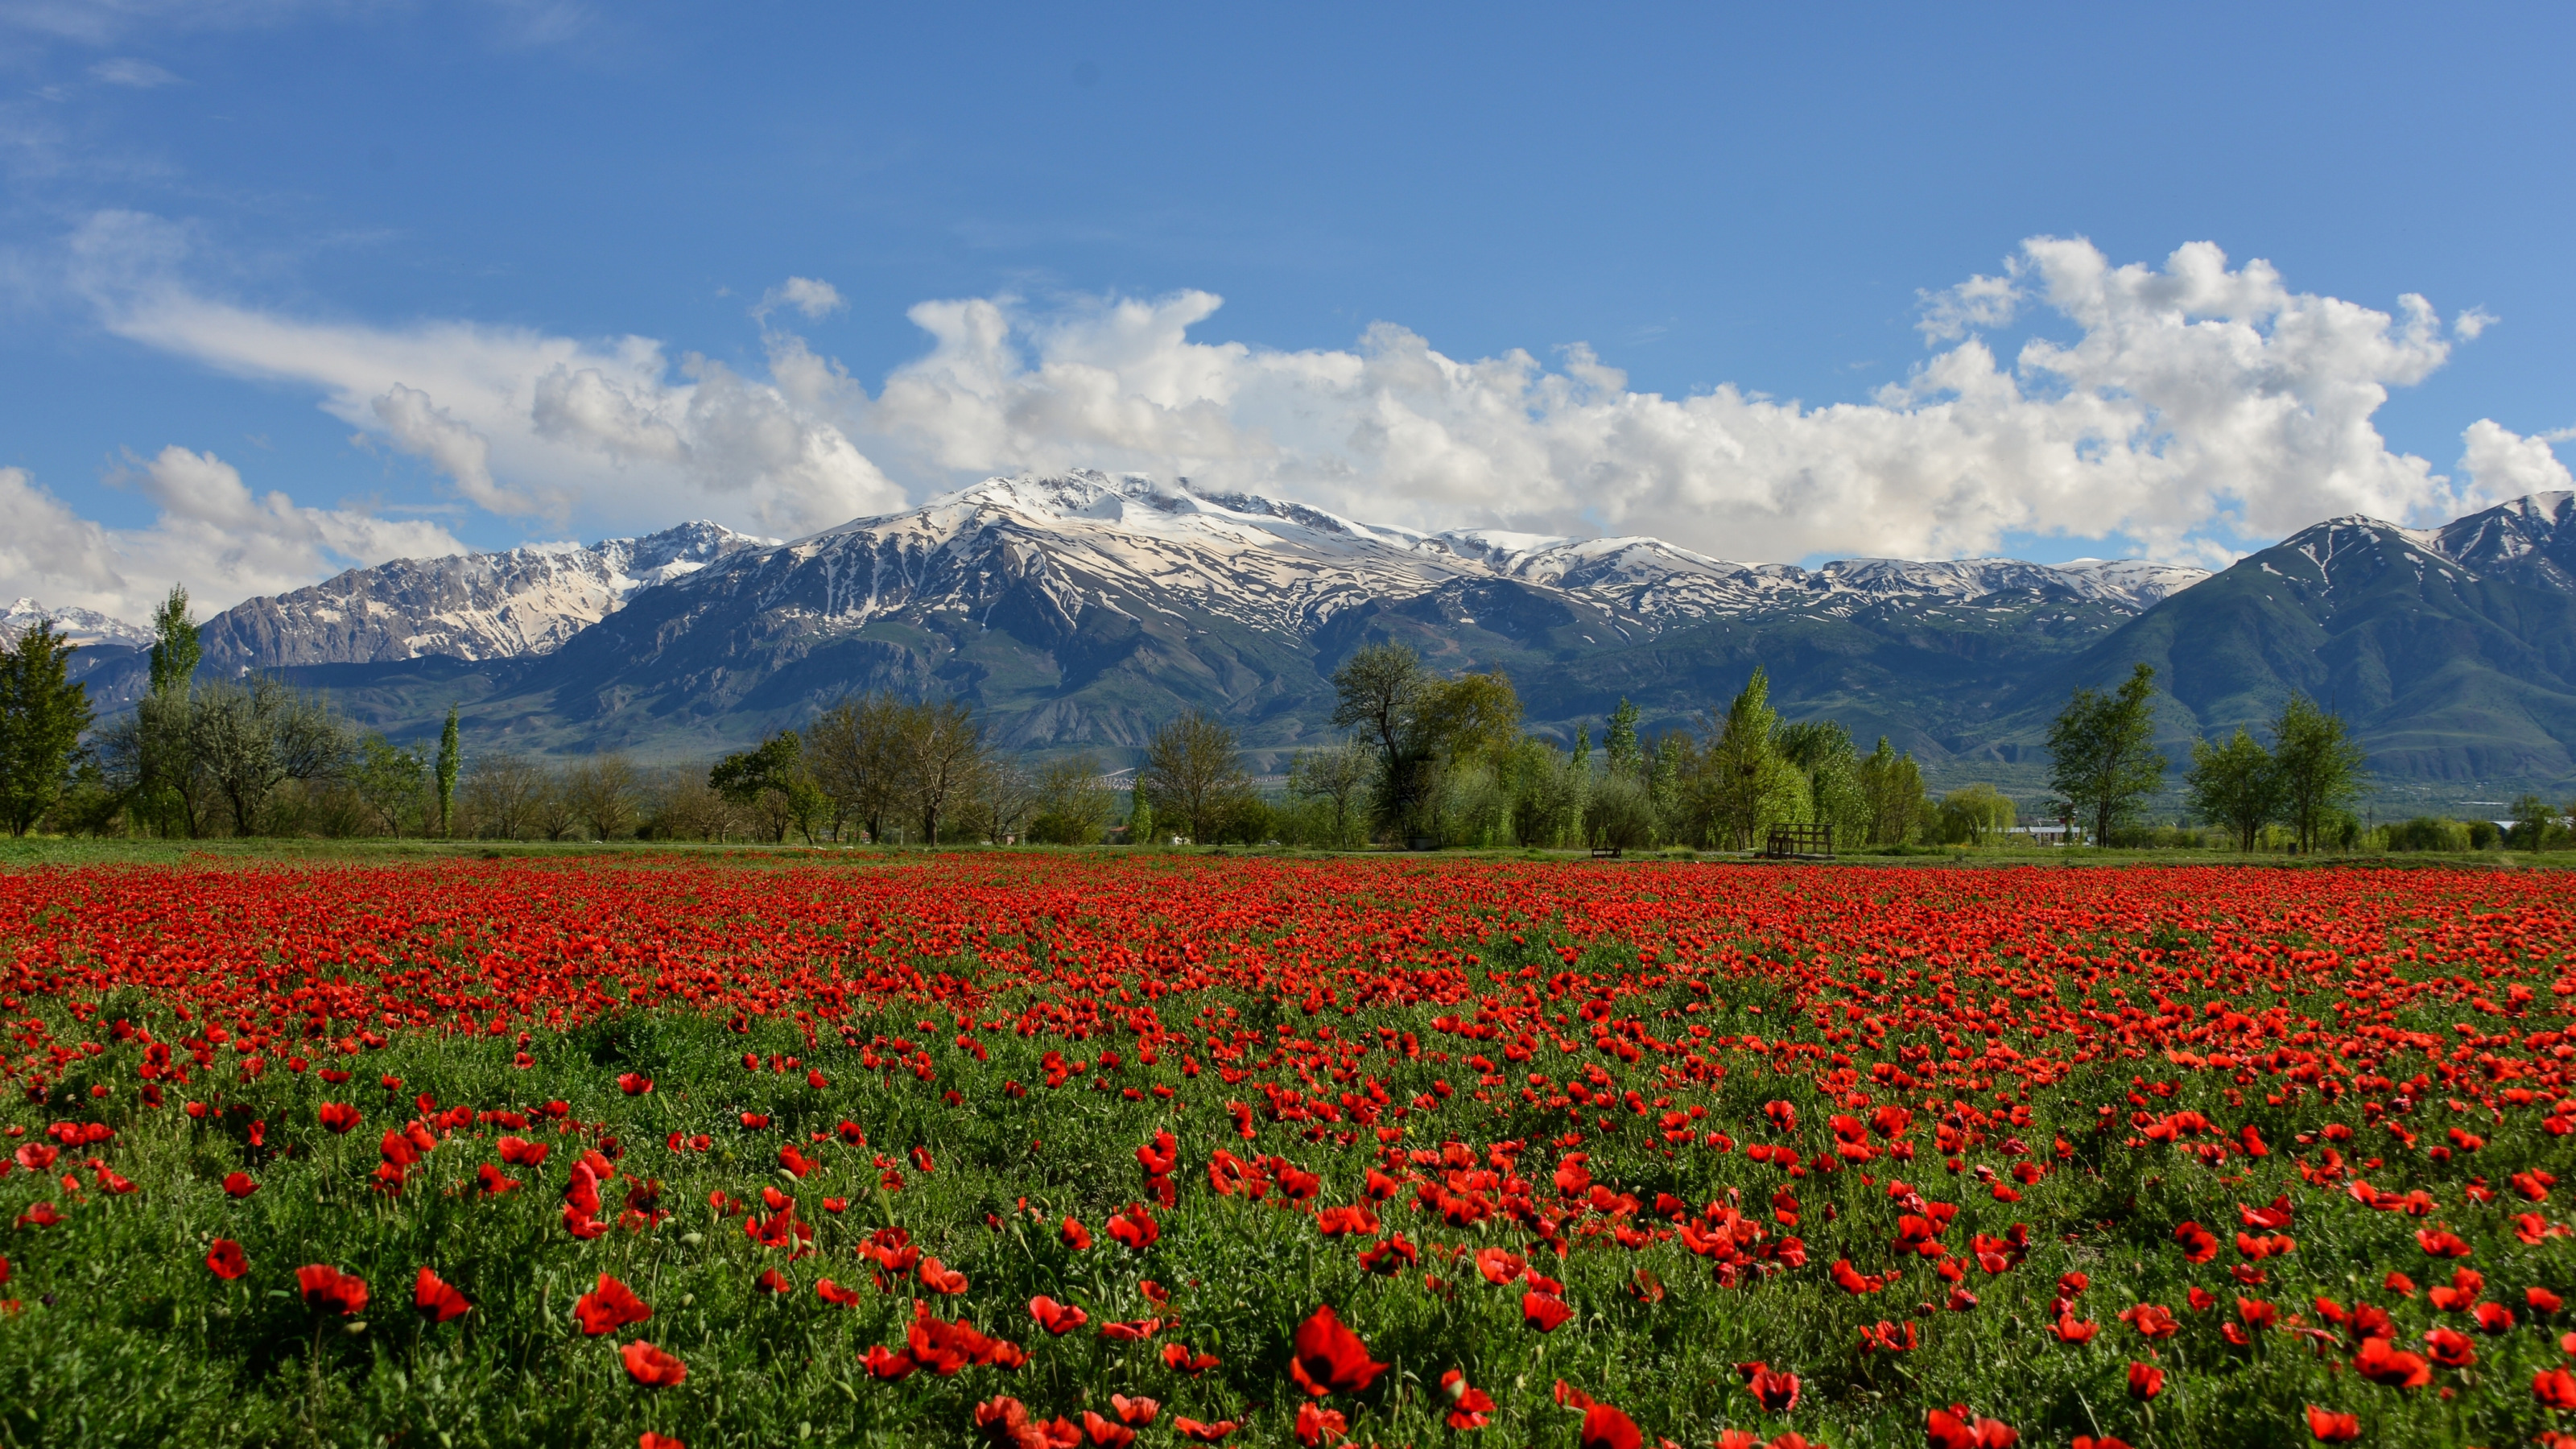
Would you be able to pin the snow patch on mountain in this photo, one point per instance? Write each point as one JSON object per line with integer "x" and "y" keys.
{"x": 512, "y": 604}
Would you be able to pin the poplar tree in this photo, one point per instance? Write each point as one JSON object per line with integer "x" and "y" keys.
{"x": 42, "y": 715}
{"x": 450, "y": 755}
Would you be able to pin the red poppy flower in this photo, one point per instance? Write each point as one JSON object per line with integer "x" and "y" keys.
{"x": 2151, "y": 1320}
{"x": 609, "y": 1308}
{"x": 1135, "y": 1227}
{"x": 2328, "y": 1427}
{"x": 2145, "y": 1380}
{"x": 2071, "y": 1329}
{"x": 833, "y": 1293}
{"x": 1468, "y": 1406}
{"x": 1137, "y": 1411}
{"x": 1953, "y": 1428}
{"x": 1192, "y": 1429}
{"x": 1075, "y": 1235}
{"x": 886, "y": 1364}
{"x": 2451, "y": 1348}
{"x": 2541, "y": 1300}
{"x": 326, "y": 1287}
{"x": 436, "y": 1298}
{"x": 651, "y": 1440}
{"x": 1178, "y": 1356}
{"x": 1316, "y": 1425}
{"x": 225, "y": 1260}
{"x": 1544, "y": 1311}
{"x": 2438, "y": 1244}
{"x": 634, "y": 1084}
{"x": 1330, "y": 1359}
{"x": 1106, "y": 1433}
{"x": 1606, "y": 1428}
{"x": 1777, "y": 1391}
{"x": 1056, "y": 1318}
{"x": 238, "y": 1184}
{"x": 1132, "y": 1331}
{"x": 650, "y": 1366}
{"x": 339, "y": 1116}
{"x": 42, "y": 1215}
{"x": 2555, "y": 1388}
{"x": 520, "y": 1152}
{"x": 774, "y": 1282}
{"x": 1500, "y": 1265}
{"x": 938, "y": 1277}
{"x": 2382, "y": 1362}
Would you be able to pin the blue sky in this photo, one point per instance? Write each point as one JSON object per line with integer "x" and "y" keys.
{"x": 382, "y": 260}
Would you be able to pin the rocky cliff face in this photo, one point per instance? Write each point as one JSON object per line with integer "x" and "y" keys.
{"x": 478, "y": 606}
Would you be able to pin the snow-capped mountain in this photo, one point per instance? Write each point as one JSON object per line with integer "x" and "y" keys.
{"x": 477, "y": 606}
{"x": 1087, "y": 538}
{"x": 85, "y": 627}
{"x": 1085, "y": 610}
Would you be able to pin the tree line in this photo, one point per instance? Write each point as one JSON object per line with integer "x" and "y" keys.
{"x": 1419, "y": 759}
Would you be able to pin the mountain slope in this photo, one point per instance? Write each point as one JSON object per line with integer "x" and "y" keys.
{"x": 523, "y": 602}
{"x": 2452, "y": 651}
{"x": 1083, "y": 610}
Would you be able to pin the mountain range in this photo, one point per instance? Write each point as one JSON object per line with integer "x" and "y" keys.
{"x": 1083, "y": 610}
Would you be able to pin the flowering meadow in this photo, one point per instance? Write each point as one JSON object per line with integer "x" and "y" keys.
{"x": 1061, "y": 1150}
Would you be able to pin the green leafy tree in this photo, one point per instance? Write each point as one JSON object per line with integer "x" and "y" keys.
{"x": 1891, "y": 787}
{"x": 160, "y": 742}
{"x": 855, "y": 751}
{"x": 2534, "y": 821}
{"x": 2235, "y": 784}
{"x": 1073, "y": 806}
{"x": 2102, "y": 753}
{"x": 1974, "y": 814}
{"x": 451, "y": 754}
{"x": 389, "y": 780}
{"x": 1374, "y": 693}
{"x": 1620, "y": 749}
{"x": 1140, "y": 819}
{"x": 2322, "y": 769}
{"x": 767, "y": 779}
{"x": 1822, "y": 752}
{"x": 1335, "y": 778}
{"x": 42, "y": 716}
{"x": 1747, "y": 784}
{"x": 1194, "y": 775}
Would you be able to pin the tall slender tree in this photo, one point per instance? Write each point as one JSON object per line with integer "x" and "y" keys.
{"x": 42, "y": 715}
{"x": 451, "y": 754}
{"x": 164, "y": 733}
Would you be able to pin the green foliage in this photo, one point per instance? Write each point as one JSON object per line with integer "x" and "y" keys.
{"x": 390, "y": 780}
{"x": 2321, "y": 768}
{"x": 175, "y": 649}
{"x": 451, "y": 754}
{"x": 1891, "y": 788}
{"x": 1194, "y": 775}
{"x": 1975, "y": 815}
{"x": 1745, "y": 783}
{"x": 2103, "y": 760}
{"x": 1073, "y": 806}
{"x": 42, "y": 717}
{"x": 2237, "y": 785}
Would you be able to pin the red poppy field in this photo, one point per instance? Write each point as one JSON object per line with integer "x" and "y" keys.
{"x": 1073, "y": 1150}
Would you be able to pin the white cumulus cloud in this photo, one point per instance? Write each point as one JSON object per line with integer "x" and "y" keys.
{"x": 210, "y": 532}
{"x": 2187, "y": 407}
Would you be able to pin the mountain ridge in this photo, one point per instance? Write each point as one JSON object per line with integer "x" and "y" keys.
{"x": 1080, "y": 610}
